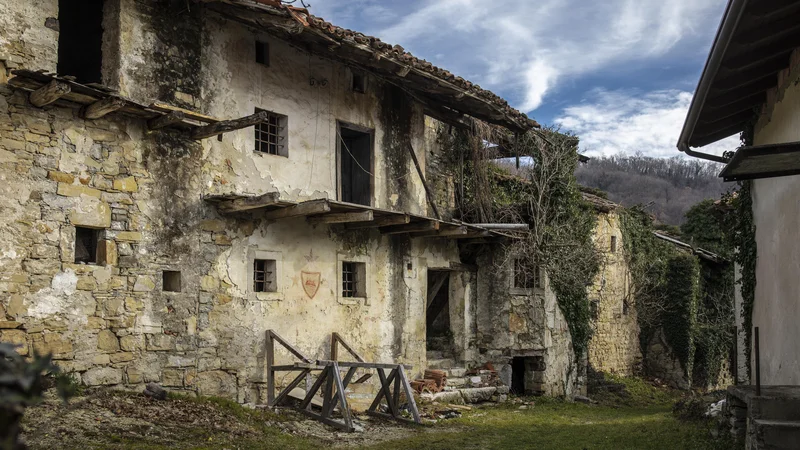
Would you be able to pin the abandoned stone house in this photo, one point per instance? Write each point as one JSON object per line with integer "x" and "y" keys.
{"x": 198, "y": 173}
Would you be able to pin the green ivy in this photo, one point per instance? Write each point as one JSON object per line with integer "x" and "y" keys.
{"x": 679, "y": 320}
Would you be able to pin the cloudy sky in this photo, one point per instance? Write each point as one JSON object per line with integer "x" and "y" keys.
{"x": 619, "y": 73}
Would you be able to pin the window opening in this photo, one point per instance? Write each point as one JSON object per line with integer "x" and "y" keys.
{"x": 613, "y": 244}
{"x": 271, "y": 135}
{"x": 171, "y": 281}
{"x": 85, "y": 245}
{"x": 438, "y": 326}
{"x": 262, "y": 53}
{"x": 80, "y": 40}
{"x": 525, "y": 275}
{"x": 355, "y": 157}
{"x": 359, "y": 83}
{"x": 264, "y": 279}
{"x": 353, "y": 279}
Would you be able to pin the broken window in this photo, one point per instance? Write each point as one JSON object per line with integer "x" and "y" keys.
{"x": 171, "y": 281}
{"x": 355, "y": 171}
{"x": 86, "y": 245}
{"x": 80, "y": 39}
{"x": 271, "y": 135}
{"x": 264, "y": 279}
{"x": 353, "y": 279}
{"x": 613, "y": 244}
{"x": 359, "y": 83}
{"x": 526, "y": 276}
{"x": 262, "y": 53}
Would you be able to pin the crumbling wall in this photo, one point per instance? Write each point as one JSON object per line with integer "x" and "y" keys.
{"x": 614, "y": 346}
{"x": 113, "y": 323}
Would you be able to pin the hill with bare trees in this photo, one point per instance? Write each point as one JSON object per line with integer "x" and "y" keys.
{"x": 668, "y": 186}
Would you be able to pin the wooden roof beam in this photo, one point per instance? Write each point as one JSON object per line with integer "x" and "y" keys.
{"x": 384, "y": 221}
{"x": 102, "y": 107}
{"x": 227, "y": 206}
{"x": 166, "y": 120}
{"x": 308, "y": 208}
{"x": 49, "y": 93}
{"x": 225, "y": 126}
{"x": 362, "y": 216}
{"x": 411, "y": 227}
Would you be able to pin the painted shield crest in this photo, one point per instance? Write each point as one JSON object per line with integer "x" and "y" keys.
{"x": 310, "y": 282}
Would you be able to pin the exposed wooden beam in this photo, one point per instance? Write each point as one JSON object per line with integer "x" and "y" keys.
{"x": 385, "y": 221}
{"x": 49, "y": 93}
{"x": 479, "y": 234}
{"x": 363, "y": 216}
{"x": 463, "y": 267}
{"x": 768, "y": 31}
{"x": 166, "y": 120}
{"x": 701, "y": 140}
{"x": 225, "y": 126}
{"x": 746, "y": 104}
{"x": 308, "y": 208}
{"x": 502, "y": 226}
{"x": 428, "y": 191}
{"x": 445, "y": 232}
{"x": 410, "y": 228}
{"x": 740, "y": 78}
{"x": 708, "y": 128}
{"x": 102, "y": 107}
{"x": 247, "y": 203}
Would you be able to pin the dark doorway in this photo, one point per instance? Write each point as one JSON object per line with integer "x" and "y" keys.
{"x": 518, "y": 376}
{"x": 355, "y": 157}
{"x": 80, "y": 39}
{"x": 438, "y": 334}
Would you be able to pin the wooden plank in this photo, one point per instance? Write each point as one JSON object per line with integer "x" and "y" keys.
{"x": 364, "y": 216}
{"x": 447, "y": 232}
{"x": 349, "y": 376}
{"x": 428, "y": 192}
{"x": 194, "y": 115}
{"x": 347, "y": 347}
{"x": 248, "y": 203}
{"x": 385, "y": 221}
{"x": 344, "y": 408}
{"x": 102, "y": 107}
{"x": 442, "y": 277}
{"x": 49, "y": 93}
{"x": 301, "y": 209}
{"x": 289, "y": 347}
{"x": 288, "y": 389}
{"x": 361, "y": 365}
{"x": 270, "y": 344}
{"x": 311, "y": 392}
{"x": 166, "y": 120}
{"x": 297, "y": 366}
{"x": 412, "y": 403}
{"x": 225, "y": 126}
{"x": 363, "y": 378}
{"x": 410, "y": 228}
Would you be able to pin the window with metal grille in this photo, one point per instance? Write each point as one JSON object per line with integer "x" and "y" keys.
{"x": 353, "y": 279}
{"x": 264, "y": 279}
{"x": 271, "y": 135}
{"x": 526, "y": 276}
{"x": 85, "y": 245}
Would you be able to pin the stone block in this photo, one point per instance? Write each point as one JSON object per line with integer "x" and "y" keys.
{"x": 92, "y": 214}
{"x": 121, "y": 357}
{"x": 114, "y": 306}
{"x": 172, "y": 377}
{"x": 134, "y": 375}
{"x": 107, "y": 253}
{"x": 107, "y": 341}
{"x": 160, "y": 342}
{"x": 133, "y": 304}
{"x": 101, "y": 360}
{"x": 209, "y": 283}
{"x": 61, "y": 177}
{"x": 16, "y": 337}
{"x": 102, "y": 376}
{"x": 127, "y": 184}
{"x": 213, "y": 225}
{"x": 477, "y": 395}
{"x": 132, "y": 343}
{"x": 16, "y": 306}
{"x": 77, "y": 190}
{"x": 44, "y": 251}
{"x": 222, "y": 239}
{"x": 180, "y": 361}
{"x": 9, "y": 324}
{"x": 216, "y": 383}
{"x": 129, "y": 236}
{"x": 52, "y": 343}
{"x": 144, "y": 283}
{"x": 87, "y": 283}
{"x": 95, "y": 323}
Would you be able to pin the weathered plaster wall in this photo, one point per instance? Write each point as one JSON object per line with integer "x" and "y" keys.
{"x": 776, "y": 211}
{"x": 112, "y": 323}
{"x": 614, "y": 346}
{"x": 514, "y": 322}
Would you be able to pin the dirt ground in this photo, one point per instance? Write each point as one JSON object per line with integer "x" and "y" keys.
{"x": 117, "y": 419}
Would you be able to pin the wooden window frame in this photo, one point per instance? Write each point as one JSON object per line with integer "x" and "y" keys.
{"x": 371, "y": 132}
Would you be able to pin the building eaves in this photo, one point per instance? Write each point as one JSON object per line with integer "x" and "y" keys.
{"x": 438, "y": 89}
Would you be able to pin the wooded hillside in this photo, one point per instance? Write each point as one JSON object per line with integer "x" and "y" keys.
{"x": 668, "y": 186}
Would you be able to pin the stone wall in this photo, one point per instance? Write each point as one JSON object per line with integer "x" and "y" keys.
{"x": 614, "y": 346}
{"x": 113, "y": 322}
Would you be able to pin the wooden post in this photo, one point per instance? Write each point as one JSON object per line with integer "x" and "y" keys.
{"x": 412, "y": 404}
{"x": 270, "y": 371}
{"x": 49, "y": 93}
{"x": 428, "y": 192}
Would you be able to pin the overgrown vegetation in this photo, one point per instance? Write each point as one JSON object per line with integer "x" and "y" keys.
{"x": 544, "y": 194}
{"x": 689, "y": 298}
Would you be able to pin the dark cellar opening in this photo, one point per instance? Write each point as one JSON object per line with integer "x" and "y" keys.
{"x": 355, "y": 157}
{"x": 438, "y": 334}
{"x": 80, "y": 39}
{"x": 518, "y": 375}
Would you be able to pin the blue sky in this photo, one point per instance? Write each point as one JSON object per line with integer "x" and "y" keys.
{"x": 619, "y": 73}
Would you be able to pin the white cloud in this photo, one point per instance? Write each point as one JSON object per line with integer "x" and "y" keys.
{"x": 612, "y": 122}
{"x": 528, "y": 48}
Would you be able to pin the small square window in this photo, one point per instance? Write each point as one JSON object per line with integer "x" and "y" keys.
{"x": 264, "y": 276}
{"x": 86, "y": 245}
{"x": 526, "y": 276}
{"x": 271, "y": 135}
{"x": 359, "y": 83}
{"x": 354, "y": 282}
{"x": 613, "y": 244}
{"x": 262, "y": 53}
{"x": 171, "y": 281}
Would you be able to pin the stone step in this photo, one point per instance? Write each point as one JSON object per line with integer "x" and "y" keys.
{"x": 776, "y": 434}
{"x": 456, "y": 372}
{"x": 441, "y": 364}
{"x": 775, "y": 408}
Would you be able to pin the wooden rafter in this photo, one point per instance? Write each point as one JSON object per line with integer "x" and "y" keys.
{"x": 410, "y": 228}
{"x": 237, "y": 205}
{"x": 362, "y": 216}
{"x": 166, "y": 120}
{"x": 49, "y": 93}
{"x": 398, "y": 219}
{"x": 225, "y": 126}
{"x": 102, "y": 107}
{"x": 301, "y": 209}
